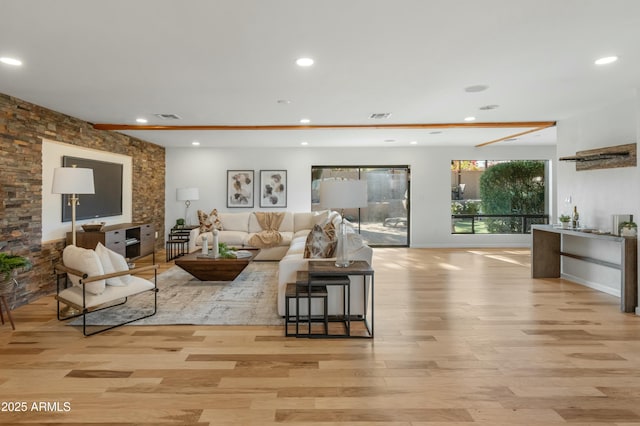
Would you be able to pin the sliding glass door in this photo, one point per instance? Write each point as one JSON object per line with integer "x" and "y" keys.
{"x": 385, "y": 221}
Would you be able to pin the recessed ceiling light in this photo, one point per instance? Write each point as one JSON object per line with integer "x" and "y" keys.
{"x": 305, "y": 121}
{"x": 304, "y": 143}
{"x": 195, "y": 143}
{"x": 304, "y": 62}
{"x": 476, "y": 88}
{"x": 11, "y": 61}
{"x": 141, "y": 120}
{"x": 413, "y": 142}
{"x": 284, "y": 101}
{"x": 606, "y": 60}
{"x": 469, "y": 119}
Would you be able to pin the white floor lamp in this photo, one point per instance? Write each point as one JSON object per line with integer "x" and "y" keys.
{"x": 187, "y": 195}
{"x": 343, "y": 194}
{"x": 73, "y": 181}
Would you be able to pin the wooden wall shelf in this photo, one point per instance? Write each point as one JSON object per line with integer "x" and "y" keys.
{"x": 604, "y": 158}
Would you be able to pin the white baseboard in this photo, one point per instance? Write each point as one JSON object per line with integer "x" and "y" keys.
{"x": 593, "y": 285}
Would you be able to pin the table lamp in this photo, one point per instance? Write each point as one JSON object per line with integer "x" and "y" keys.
{"x": 343, "y": 194}
{"x": 187, "y": 195}
{"x": 73, "y": 181}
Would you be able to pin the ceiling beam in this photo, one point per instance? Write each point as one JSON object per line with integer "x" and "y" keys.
{"x": 515, "y": 135}
{"x": 537, "y": 124}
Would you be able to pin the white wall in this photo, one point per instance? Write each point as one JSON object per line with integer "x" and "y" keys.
{"x": 598, "y": 194}
{"x": 430, "y": 190}
{"x": 52, "y": 152}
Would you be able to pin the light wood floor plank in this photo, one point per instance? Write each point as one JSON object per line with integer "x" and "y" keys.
{"x": 463, "y": 337}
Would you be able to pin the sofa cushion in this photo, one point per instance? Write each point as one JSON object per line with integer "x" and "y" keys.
{"x": 137, "y": 285}
{"x": 209, "y": 222}
{"x": 87, "y": 261}
{"x": 235, "y": 221}
{"x": 321, "y": 242}
{"x": 113, "y": 262}
{"x": 306, "y": 220}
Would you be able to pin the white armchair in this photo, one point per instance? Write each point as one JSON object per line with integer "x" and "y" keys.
{"x": 98, "y": 284}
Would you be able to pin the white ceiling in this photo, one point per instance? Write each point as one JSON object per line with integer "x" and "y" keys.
{"x": 215, "y": 62}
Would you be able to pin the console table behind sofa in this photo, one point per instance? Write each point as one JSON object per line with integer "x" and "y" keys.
{"x": 550, "y": 245}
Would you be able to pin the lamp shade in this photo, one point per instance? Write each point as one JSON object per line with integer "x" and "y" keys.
{"x": 187, "y": 194}
{"x": 72, "y": 180}
{"x": 343, "y": 194}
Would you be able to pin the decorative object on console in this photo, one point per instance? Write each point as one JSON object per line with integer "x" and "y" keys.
{"x": 93, "y": 227}
{"x": 187, "y": 195}
{"x": 72, "y": 181}
{"x": 564, "y": 219}
{"x": 618, "y": 220}
{"x": 273, "y": 188}
{"x": 605, "y": 158}
{"x": 239, "y": 188}
{"x": 629, "y": 229}
{"x": 343, "y": 194}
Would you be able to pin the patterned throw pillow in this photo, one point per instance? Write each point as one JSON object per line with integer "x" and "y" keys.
{"x": 209, "y": 222}
{"x": 321, "y": 242}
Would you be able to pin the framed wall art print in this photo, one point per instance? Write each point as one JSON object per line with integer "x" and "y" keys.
{"x": 273, "y": 188}
{"x": 240, "y": 188}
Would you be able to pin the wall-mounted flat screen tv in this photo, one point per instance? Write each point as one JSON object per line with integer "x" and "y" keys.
{"x": 107, "y": 179}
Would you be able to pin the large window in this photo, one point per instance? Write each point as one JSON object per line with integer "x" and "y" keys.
{"x": 385, "y": 220}
{"x": 497, "y": 197}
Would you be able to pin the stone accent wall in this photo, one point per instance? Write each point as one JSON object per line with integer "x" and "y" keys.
{"x": 22, "y": 127}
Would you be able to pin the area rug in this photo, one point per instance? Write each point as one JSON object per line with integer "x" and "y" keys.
{"x": 250, "y": 299}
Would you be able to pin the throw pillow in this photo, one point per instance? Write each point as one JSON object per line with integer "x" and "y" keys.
{"x": 86, "y": 261}
{"x": 321, "y": 242}
{"x": 113, "y": 262}
{"x": 209, "y": 222}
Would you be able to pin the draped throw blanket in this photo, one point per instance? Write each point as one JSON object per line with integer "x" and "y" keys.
{"x": 269, "y": 236}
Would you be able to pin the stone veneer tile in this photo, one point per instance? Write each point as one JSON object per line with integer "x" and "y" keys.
{"x": 22, "y": 127}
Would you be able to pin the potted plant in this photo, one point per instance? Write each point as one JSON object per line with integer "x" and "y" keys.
{"x": 564, "y": 219}
{"x": 628, "y": 229}
{"x": 8, "y": 264}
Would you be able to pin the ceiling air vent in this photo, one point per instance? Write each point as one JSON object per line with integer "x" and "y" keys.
{"x": 167, "y": 116}
{"x": 379, "y": 115}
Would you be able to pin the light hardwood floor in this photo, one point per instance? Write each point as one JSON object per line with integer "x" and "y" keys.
{"x": 462, "y": 337}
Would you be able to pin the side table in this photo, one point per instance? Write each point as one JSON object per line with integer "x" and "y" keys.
{"x": 325, "y": 272}
{"x": 296, "y": 292}
{"x": 178, "y": 241}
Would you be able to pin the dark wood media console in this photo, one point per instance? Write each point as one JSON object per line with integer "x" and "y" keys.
{"x": 132, "y": 240}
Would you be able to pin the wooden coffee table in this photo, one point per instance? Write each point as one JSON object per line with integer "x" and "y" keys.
{"x": 210, "y": 269}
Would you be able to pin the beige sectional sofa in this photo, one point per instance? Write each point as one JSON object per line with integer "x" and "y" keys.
{"x": 238, "y": 228}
